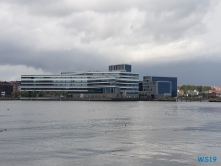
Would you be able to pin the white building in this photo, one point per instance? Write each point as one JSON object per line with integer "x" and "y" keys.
{"x": 97, "y": 84}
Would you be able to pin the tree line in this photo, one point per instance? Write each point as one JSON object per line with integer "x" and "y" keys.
{"x": 201, "y": 89}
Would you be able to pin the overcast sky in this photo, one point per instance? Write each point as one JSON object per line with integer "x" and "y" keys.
{"x": 179, "y": 38}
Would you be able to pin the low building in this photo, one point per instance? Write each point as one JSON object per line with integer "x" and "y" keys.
{"x": 212, "y": 95}
{"x": 16, "y": 85}
{"x": 212, "y": 90}
{"x": 218, "y": 94}
{"x": 156, "y": 86}
{"x": 180, "y": 92}
{"x": 193, "y": 92}
{"x": 115, "y": 83}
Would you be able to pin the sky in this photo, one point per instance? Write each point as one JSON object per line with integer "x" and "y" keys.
{"x": 157, "y": 37}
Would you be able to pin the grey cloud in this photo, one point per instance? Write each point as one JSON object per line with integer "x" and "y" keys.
{"x": 181, "y": 8}
{"x": 98, "y": 28}
{"x": 194, "y": 71}
{"x": 164, "y": 21}
{"x": 189, "y": 72}
{"x": 177, "y": 21}
{"x": 52, "y": 61}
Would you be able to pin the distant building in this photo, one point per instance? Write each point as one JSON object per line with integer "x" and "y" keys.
{"x": 6, "y": 88}
{"x": 196, "y": 92}
{"x": 212, "y": 95}
{"x": 217, "y": 88}
{"x": 16, "y": 85}
{"x": 180, "y": 92}
{"x": 185, "y": 95}
{"x": 121, "y": 67}
{"x": 156, "y": 87}
{"x": 212, "y": 90}
{"x": 118, "y": 82}
{"x": 193, "y": 92}
{"x": 218, "y": 94}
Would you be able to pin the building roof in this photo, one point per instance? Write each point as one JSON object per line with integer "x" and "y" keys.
{"x": 4, "y": 83}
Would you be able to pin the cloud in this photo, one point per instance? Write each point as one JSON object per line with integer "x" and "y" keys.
{"x": 189, "y": 72}
{"x": 7, "y": 72}
{"x": 68, "y": 35}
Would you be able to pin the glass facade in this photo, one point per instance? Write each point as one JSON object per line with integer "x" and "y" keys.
{"x": 164, "y": 87}
{"x": 173, "y": 81}
{"x": 128, "y": 68}
{"x": 83, "y": 82}
{"x": 140, "y": 86}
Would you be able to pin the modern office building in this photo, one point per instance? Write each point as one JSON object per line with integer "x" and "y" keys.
{"x": 98, "y": 84}
{"x": 160, "y": 86}
{"x": 121, "y": 67}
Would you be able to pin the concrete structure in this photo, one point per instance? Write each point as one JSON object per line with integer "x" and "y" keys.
{"x": 156, "y": 87}
{"x": 85, "y": 84}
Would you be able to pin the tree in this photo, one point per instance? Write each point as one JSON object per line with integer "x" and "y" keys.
{"x": 24, "y": 94}
{"x": 199, "y": 88}
{"x": 42, "y": 93}
{"x": 185, "y": 88}
{"x": 203, "y": 94}
{"x": 51, "y": 93}
{"x": 16, "y": 93}
{"x": 57, "y": 93}
{"x": 206, "y": 88}
{"x": 64, "y": 93}
{"x": 33, "y": 93}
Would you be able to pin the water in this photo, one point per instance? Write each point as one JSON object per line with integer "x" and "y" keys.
{"x": 56, "y": 133}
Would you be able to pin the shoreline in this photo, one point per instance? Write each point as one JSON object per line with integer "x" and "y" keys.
{"x": 106, "y": 99}
{"x": 84, "y": 99}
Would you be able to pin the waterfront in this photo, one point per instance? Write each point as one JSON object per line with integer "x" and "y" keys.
{"x": 109, "y": 133}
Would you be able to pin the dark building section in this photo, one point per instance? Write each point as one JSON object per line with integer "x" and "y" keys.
{"x": 6, "y": 88}
{"x": 141, "y": 86}
{"x": 128, "y": 68}
{"x": 121, "y": 67}
{"x": 164, "y": 87}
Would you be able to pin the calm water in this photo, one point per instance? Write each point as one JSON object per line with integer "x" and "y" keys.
{"x": 56, "y": 133}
